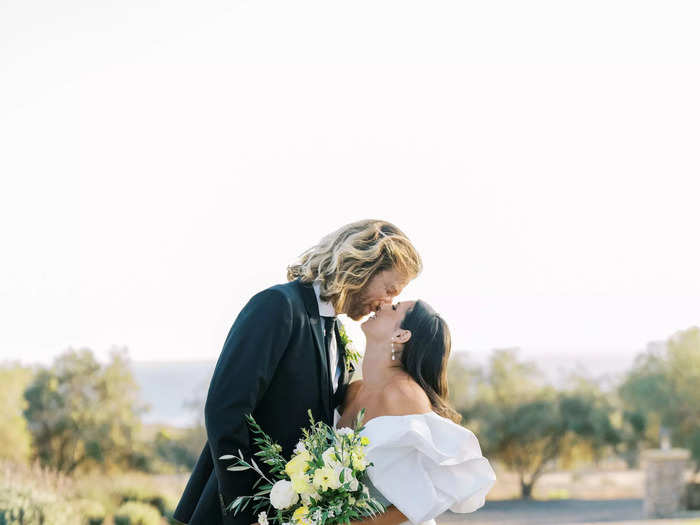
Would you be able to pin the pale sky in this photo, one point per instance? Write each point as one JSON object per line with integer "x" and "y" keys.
{"x": 163, "y": 161}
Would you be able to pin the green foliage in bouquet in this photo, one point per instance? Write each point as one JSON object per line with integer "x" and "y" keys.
{"x": 323, "y": 482}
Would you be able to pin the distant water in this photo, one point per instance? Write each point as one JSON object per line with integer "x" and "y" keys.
{"x": 169, "y": 387}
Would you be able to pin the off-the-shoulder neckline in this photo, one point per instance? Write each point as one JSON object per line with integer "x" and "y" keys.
{"x": 403, "y": 415}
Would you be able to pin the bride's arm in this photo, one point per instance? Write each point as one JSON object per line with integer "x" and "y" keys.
{"x": 392, "y": 516}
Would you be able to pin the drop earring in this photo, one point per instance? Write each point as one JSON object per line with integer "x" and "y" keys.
{"x": 393, "y": 351}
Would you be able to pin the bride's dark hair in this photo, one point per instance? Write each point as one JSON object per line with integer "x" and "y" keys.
{"x": 425, "y": 354}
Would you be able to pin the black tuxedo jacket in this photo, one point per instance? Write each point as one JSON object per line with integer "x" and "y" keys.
{"x": 273, "y": 365}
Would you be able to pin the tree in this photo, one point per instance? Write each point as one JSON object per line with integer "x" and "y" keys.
{"x": 663, "y": 386}
{"x": 463, "y": 379}
{"x": 14, "y": 436}
{"x": 632, "y": 430}
{"x": 528, "y": 425}
{"x": 81, "y": 413}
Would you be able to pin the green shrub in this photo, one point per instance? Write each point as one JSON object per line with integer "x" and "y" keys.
{"x": 24, "y": 506}
{"x": 162, "y": 502}
{"x": 100, "y": 490}
{"x": 56, "y": 511}
{"x": 136, "y": 513}
{"x": 14, "y": 436}
{"x": 17, "y": 507}
{"x": 92, "y": 512}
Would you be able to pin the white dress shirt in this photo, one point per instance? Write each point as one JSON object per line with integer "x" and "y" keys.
{"x": 325, "y": 309}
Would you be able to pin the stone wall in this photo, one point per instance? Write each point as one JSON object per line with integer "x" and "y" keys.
{"x": 665, "y": 481}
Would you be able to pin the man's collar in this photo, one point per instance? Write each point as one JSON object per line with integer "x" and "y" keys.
{"x": 325, "y": 309}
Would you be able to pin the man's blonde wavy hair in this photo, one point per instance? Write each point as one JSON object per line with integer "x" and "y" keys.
{"x": 345, "y": 260}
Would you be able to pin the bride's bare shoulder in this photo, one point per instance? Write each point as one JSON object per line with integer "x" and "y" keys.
{"x": 351, "y": 393}
{"x": 353, "y": 388}
{"x": 404, "y": 396}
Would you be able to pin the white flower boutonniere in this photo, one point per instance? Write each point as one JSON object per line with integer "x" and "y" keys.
{"x": 352, "y": 356}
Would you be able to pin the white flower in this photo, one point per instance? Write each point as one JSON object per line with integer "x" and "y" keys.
{"x": 345, "y": 431}
{"x": 282, "y": 495}
{"x": 330, "y": 459}
{"x": 348, "y": 477}
{"x": 331, "y": 514}
{"x": 301, "y": 447}
{"x": 262, "y": 518}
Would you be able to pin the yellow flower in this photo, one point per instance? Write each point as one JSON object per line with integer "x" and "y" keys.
{"x": 301, "y": 513}
{"x": 326, "y": 478}
{"x": 301, "y": 484}
{"x": 364, "y": 441}
{"x": 358, "y": 461}
{"x": 298, "y": 464}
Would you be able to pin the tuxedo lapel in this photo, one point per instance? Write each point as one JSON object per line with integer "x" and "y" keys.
{"x": 309, "y": 297}
{"x": 339, "y": 396}
{"x": 341, "y": 354}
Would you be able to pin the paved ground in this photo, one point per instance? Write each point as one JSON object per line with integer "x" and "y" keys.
{"x": 518, "y": 512}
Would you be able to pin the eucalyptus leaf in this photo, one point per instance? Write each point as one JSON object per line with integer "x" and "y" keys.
{"x": 239, "y": 468}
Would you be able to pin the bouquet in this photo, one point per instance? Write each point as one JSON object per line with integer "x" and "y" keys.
{"x": 322, "y": 483}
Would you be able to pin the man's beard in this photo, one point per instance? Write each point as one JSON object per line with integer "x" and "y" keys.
{"x": 356, "y": 306}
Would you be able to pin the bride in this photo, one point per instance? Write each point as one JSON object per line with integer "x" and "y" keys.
{"x": 424, "y": 462}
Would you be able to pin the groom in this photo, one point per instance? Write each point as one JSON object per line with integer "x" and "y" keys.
{"x": 284, "y": 356}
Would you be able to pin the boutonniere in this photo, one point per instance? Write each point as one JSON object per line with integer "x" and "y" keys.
{"x": 352, "y": 356}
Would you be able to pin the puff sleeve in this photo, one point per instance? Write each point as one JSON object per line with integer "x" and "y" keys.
{"x": 425, "y": 464}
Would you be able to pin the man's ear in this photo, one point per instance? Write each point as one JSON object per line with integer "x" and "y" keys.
{"x": 402, "y": 336}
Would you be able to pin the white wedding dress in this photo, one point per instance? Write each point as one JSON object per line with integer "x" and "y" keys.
{"x": 425, "y": 464}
